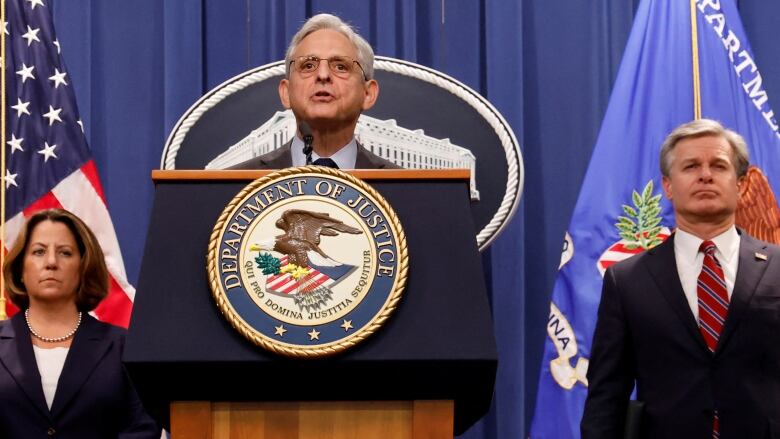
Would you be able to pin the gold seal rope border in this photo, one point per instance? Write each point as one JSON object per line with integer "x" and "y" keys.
{"x": 316, "y": 351}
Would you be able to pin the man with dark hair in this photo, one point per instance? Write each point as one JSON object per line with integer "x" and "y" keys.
{"x": 692, "y": 322}
{"x": 328, "y": 84}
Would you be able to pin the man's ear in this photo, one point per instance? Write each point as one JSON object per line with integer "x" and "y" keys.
{"x": 667, "y": 185}
{"x": 284, "y": 92}
{"x": 372, "y": 93}
{"x": 742, "y": 185}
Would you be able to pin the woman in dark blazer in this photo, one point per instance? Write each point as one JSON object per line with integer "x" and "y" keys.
{"x": 61, "y": 374}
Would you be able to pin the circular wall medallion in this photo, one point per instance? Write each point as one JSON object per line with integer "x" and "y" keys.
{"x": 307, "y": 262}
{"x": 434, "y": 112}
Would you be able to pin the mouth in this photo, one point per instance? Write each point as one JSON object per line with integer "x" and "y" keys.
{"x": 322, "y": 96}
{"x": 705, "y": 193}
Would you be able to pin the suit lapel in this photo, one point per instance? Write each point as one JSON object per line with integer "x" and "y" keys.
{"x": 663, "y": 267}
{"x": 89, "y": 346}
{"x": 17, "y": 356}
{"x": 749, "y": 273}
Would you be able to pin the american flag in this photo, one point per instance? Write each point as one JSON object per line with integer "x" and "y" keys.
{"x": 48, "y": 161}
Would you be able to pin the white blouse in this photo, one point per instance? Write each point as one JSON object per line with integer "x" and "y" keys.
{"x": 50, "y": 363}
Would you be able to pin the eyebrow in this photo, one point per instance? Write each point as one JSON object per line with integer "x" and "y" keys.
{"x": 45, "y": 245}
{"x": 697, "y": 159}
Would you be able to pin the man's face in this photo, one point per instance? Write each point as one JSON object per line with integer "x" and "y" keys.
{"x": 322, "y": 99}
{"x": 702, "y": 183}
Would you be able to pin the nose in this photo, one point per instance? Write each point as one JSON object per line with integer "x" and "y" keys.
{"x": 706, "y": 174}
{"x": 51, "y": 260}
{"x": 323, "y": 71}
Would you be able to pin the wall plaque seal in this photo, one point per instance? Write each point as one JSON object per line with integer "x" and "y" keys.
{"x": 307, "y": 262}
{"x": 424, "y": 119}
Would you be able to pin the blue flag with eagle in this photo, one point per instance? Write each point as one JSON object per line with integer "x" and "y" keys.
{"x": 683, "y": 60}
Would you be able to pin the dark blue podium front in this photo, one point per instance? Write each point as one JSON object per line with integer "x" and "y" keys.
{"x": 438, "y": 344}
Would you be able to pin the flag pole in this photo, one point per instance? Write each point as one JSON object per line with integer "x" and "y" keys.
{"x": 695, "y": 59}
{"x": 3, "y": 314}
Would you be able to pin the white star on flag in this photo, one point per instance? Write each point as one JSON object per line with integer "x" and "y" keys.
{"x": 47, "y": 152}
{"x": 26, "y": 72}
{"x": 10, "y": 179}
{"x": 58, "y": 78}
{"x": 81, "y": 124}
{"x": 21, "y": 107}
{"x": 16, "y": 144}
{"x": 34, "y": 3}
{"x": 57, "y": 43}
{"x": 31, "y": 35}
{"x": 5, "y": 27}
{"x": 53, "y": 115}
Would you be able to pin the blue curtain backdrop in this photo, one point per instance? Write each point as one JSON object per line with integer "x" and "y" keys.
{"x": 548, "y": 66}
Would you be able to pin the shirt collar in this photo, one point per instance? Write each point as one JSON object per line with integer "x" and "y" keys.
{"x": 687, "y": 245}
{"x": 345, "y": 157}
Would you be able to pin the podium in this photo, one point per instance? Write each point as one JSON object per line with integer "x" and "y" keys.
{"x": 428, "y": 372}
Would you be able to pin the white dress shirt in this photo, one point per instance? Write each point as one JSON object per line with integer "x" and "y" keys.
{"x": 345, "y": 158}
{"x": 50, "y": 363}
{"x": 690, "y": 260}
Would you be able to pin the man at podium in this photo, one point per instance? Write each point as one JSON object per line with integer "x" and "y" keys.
{"x": 328, "y": 83}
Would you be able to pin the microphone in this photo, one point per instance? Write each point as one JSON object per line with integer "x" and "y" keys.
{"x": 308, "y": 139}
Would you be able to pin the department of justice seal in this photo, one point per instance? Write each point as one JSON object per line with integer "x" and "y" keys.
{"x": 307, "y": 262}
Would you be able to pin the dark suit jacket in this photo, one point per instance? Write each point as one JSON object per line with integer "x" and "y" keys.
{"x": 94, "y": 397}
{"x": 282, "y": 158}
{"x": 646, "y": 332}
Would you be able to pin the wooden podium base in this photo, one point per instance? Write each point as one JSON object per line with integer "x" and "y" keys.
{"x": 312, "y": 420}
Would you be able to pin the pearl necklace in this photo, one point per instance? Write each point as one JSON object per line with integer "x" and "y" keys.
{"x": 50, "y": 339}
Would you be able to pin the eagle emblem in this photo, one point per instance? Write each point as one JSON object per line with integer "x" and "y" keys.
{"x": 757, "y": 211}
{"x": 307, "y": 262}
{"x": 304, "y": 272}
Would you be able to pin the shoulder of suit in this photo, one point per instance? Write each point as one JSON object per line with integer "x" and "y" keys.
{"x": 10, "y": 327}
{"x": 265, "y": 161}
{"x": 4, "y": 325}
{"x": 628, "y": 264}
{"x": 769, "y": 247}
{"x": 102, "y": 328}
{"x": 378, "y": 162}
{"x": 387, "y": 164}
{"x": 275, "y": 154}
{"x": 636, "y": 261}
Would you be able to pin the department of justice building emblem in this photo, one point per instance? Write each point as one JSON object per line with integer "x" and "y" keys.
{"x": 307, "y": 262}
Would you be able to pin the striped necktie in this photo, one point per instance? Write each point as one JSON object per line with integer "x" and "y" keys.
{"x": 712, "y": 295}
{"x": 713, "y": 306}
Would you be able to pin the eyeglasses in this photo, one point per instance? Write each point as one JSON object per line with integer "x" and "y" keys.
{"x": 341, "y": 66}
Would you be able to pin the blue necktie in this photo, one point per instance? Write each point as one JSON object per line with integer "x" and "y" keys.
{"x": 329, "y": 163}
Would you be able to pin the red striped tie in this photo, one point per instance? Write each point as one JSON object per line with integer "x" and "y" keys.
{"x": 713, "y": 305}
